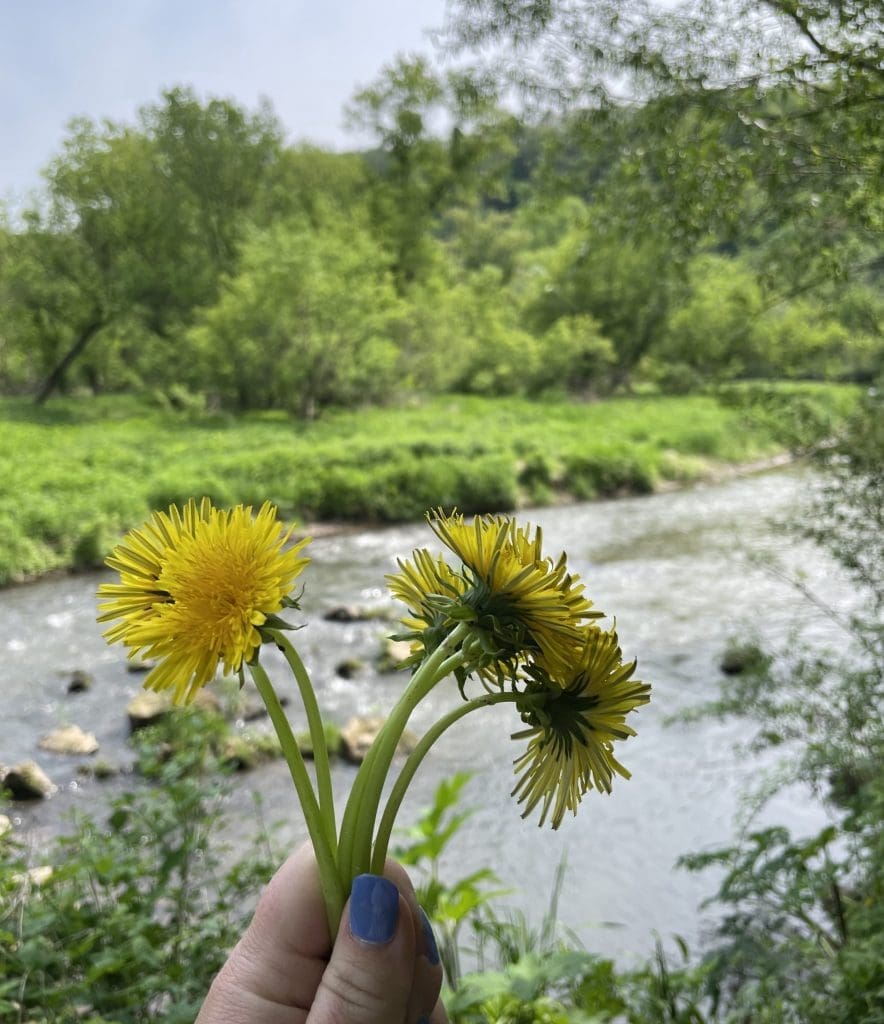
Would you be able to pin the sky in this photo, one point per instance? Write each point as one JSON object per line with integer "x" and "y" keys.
{"x": 106, "y": 58}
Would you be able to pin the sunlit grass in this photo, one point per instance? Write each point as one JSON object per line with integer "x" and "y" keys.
{"x": 79, "y": 472}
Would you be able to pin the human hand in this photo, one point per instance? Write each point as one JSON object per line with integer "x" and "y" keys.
{"x": 383, "y": 967}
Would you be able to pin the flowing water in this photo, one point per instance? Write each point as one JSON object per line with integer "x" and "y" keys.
{"x": 680, "y": 571}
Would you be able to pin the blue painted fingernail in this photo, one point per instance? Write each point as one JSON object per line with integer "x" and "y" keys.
{"x": 431, "y": 950}
{"x": 374, "y": 909}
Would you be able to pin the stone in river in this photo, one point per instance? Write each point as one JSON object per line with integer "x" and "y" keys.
{"x": 349, "y": 667}
{"x": 147, "y": 707}
{"x": 393, "y": 654}
{"x": 27, "y": 781}
{"x": 360, "y": 732}
{"x": 78, "y": 681}
{"x": 356, "y": 613}
{"x": 69, "y": 739}
{"x": 138, "y": 665}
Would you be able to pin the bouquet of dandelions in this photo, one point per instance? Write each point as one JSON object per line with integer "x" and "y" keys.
{"x": 204, "y": 587}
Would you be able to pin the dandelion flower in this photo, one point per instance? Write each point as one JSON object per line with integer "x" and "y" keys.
{"x": 195, "y": 588}
{"x": 425, "y": 585}
{"x": 572, "y": 727}
{"x": 528, "y": 604}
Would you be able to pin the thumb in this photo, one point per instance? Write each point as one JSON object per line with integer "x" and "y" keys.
{"x": 370, "y": 974}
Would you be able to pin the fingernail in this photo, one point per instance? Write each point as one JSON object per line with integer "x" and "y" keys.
{"x": 374, "y": 909}
{"x": 431, "y": 950}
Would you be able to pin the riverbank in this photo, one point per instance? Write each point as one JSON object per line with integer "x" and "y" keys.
{"x": 80, "y": 472}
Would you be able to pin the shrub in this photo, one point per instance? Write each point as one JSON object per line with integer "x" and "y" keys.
{"x": 606, "y": 471}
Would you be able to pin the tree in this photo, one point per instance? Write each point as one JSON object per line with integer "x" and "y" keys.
{"x": 408, "y": 108}
{"x": 628, "y": 285}
{"x": 314, "y": 183}
{"x": 306, "y": 322}
{"x": 140, "y": 223}
{"x": 713, "y": 334}
{"x": 754, "y": 117}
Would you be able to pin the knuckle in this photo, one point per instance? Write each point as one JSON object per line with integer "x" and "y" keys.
{"x": 356, "y": 995}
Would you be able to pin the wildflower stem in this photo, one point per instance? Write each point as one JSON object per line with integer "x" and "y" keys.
{"x": 317, "y": 736}
{"x": 357, "y": 827}
{"x": 330, "y": 881}
{"x": 394, "y": 801}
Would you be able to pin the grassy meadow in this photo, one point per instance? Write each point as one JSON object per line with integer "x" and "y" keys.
{"x": 78, "y": 472}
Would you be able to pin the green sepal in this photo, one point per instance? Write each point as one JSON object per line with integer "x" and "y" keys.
{"x": 458, "y": 612}
{"x": 275, "y": 622}
{"x": 293, "y": 602}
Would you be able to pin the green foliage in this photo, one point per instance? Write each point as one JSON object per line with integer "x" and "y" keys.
{"x": 627, "y": 287}
{"x": 718, "y": 225}
{"x": 137, "y": 913}
{"x": 659, "y": 993}
{"x": 804, "y": 339}
{"x": 286, "y": 334}
{"x": 575, "y": 356}
{"x": 609, "y": 470}
{"x": 804, "y": 417}
{"x": 104, "y": 463}
{"x": 712, "y": 334}
{"x": 451, "y": 904}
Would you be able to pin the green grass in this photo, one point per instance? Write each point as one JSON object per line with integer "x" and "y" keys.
{"x": 78, "y": 472}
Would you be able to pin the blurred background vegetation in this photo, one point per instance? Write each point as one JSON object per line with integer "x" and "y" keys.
{"x": 620, "y": 197}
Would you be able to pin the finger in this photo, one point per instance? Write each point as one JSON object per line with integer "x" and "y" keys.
{"x": 438, "y": 1016}
{"x": 427, "y": 973}
{"x": 370, "y": 974}
{"x": 278, "y": 963}
{"x": 427, "y": 981}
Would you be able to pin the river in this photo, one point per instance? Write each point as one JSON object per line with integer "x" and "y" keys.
{"x": 680, "y": 571}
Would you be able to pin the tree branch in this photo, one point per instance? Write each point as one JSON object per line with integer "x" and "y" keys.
{"x": 56, "y": 375}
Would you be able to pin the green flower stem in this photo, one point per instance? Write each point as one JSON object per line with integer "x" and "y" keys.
{"x": 385, "y": 829}
{"x": 330, "y": 880}
{"x": 434, "y": 669}
{"x": 357, "y": 827}
{"x": 317, "y": 736}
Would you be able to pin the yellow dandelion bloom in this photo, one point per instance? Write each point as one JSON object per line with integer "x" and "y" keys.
{"x": 572, "y": 727}
{"x": 422, "y": 585}
{"x": 528, "y": 603}
{"x": 195, "y": 588}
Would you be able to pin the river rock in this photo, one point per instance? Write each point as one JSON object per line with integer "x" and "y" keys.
{"x": 349, "y": 668}
{"x": 253, "y": 708}
{"x": 147, "y": 708}
{"x": 393, "y": 654}
{"x": 136, "y": 665}
{"x": 356, "y": 613}
{"x": 208, "y": 701}
{"x": 741, "y": 657}
{"x": 248, "y": 750}
{"x": 27, "y": 781}
{"x": 79, "y": 681}
{"x": 100, "y": 770}
{"x": 69, "y": 739}
{"x": 345, "y": 613}
{"x": 359, "y": 734}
